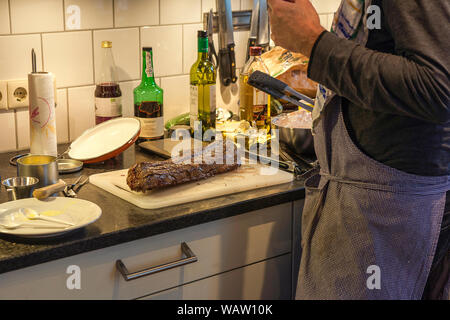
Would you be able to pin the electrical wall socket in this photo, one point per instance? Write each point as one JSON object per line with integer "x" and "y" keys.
{"x": 18, "y": 94}
{"x": 3, "y": 95}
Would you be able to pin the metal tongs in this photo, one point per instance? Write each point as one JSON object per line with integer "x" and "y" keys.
{"x": 280, "y": 90}
{"x": 71, "y": 190}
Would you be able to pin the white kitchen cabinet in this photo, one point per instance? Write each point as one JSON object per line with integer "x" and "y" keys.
{"x": 228, "y": 248}
{"x": 266, "y": 280}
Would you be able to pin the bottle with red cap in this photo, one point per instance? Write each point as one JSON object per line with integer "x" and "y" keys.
{"x": 254, "y": 105}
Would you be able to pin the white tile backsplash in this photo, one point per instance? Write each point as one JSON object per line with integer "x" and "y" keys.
{"x": 167, "y": 44}
{"x": 125, "y": 48}
{"x": 62, "y": 120}
{"x": 36, "y": 16}
{"x": 130, "y": 13}
{"x": 326, "y": 6}
{"x": 15, "y": 55}
{"x": 127, "y": 97}
{"x": 88, "y": 14}
{"x": 81, "y": 110}
{"x": 176, "y": 95}
{"x": 66, "y": 35}
{"x": 176, "y": 11}
{"x": 190, "y": 45}
{"x": 4, "y": 17}
{"x": 8, "y": 130}
{"x": 211, "y": 4}
{"x": 69, "y": 56}
{"x": 23, "y": 129}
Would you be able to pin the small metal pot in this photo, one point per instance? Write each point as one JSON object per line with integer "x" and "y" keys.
{"x": 20, "y": 187}
{"x": 298, "y": 140}
{"x": 43, "y": 167}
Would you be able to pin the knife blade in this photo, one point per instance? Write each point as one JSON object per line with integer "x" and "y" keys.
{"x": 263, "y": 29}
{"x": 253, "y": 28}
{"x": 227, "y": 58}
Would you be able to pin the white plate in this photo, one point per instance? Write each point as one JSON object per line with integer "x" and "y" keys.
{"x": 104, "y": 139}
{"x": 78, "y": 211}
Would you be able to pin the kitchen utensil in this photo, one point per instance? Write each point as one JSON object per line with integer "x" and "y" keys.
{"x": 105, "y": 140}
{"x": 45, "y": 192}
{"x": 263, "y": 25}
{"x": 227, "y": 58}
{"x": 279, "y": 90}
{"x": 80, "y": 212}
{"x": 20, "y": 187}
{"x": 33, "y": 215}
{"x": 211, "y": 47}
{"x": 29, "y": 225}
{"x": 69, "y": 165}
{"x": 247, "y": 177}
{"x": 11, "y": 222}
{"x": 43, "y": 167}
{"x": 253, "y": 38}
{"x": 71, "y": 190}
{"x": 64, "y": 165}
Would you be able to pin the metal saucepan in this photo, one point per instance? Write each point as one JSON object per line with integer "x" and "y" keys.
{"x": 299, "y": 140}
{"x": 43, "y": 167}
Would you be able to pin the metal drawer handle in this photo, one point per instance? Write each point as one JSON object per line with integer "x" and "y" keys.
{"x": 190, "y": 258}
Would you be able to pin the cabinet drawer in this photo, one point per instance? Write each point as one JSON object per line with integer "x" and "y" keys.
{"x": 266, "y": 280}
{"x": 220, "y": 246}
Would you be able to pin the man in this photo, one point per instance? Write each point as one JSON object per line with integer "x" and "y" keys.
{"x": 373, "y": 226}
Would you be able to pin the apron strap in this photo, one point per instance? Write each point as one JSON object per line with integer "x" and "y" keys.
{"x": 407, "y": 188}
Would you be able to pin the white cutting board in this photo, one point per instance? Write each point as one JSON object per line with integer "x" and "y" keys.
{"x": 247, "y": 177}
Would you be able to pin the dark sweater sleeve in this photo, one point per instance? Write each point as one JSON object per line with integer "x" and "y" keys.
{"x": 414, "y": 82}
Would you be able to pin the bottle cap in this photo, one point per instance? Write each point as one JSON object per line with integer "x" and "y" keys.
{"x": 255, "y": 51}
{"x": 202, "y": 34}
{"x": 106, "y": 44}
{"x": 147, "y": 49}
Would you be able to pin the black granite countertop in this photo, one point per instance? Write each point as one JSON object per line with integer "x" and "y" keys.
{"x": 122, "y": 221}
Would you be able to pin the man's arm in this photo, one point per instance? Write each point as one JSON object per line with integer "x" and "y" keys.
{"x": 414, "y": 83}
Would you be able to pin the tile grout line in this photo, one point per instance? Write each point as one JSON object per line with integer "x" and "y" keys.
{"x": 16, "y": 129}
{"x": 42, "y": 53}
{"x": 64, "y": 14}
{"x": 9, "y": 13}
{"x": 93, "y": 57}
{"x": 68, "y": 114}
{"x": 114, "y": 13}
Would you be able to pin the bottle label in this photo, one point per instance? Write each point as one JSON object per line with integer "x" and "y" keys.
{"x": 151, "y": 127}
{"x": 150, "y": 114}
{"x": 108, "y": 107}
{"x": 193, "y": 111}
{"x": 259, "y": 98}
{"x": 212, "y": 97}
{"x": 148, "y": 65}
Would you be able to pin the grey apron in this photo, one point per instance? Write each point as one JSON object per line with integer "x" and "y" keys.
{"x": 363, "y": 219}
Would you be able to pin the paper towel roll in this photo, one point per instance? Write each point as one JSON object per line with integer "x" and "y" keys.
{"x": 42, "y": 113}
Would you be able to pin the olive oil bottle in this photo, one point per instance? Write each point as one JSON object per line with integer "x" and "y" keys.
{"x": 203, "y": 87}
{"x": 254, "y": 105}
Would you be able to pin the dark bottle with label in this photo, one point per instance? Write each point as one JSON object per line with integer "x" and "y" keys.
{"x": 148, "y": 101}
{"x": 108, "y": 97}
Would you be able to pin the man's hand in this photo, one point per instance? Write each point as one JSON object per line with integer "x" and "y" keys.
{"x": 295, "y": 25}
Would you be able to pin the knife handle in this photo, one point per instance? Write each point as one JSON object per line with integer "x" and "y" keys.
{"x": 45, "y": 192}
{"x": 227, "y": 65}
{"x": 251, "y": 43}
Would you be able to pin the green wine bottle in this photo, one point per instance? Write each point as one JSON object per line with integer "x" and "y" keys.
{"x": 148, "y": 101}
{"x": 203, "y": 87}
